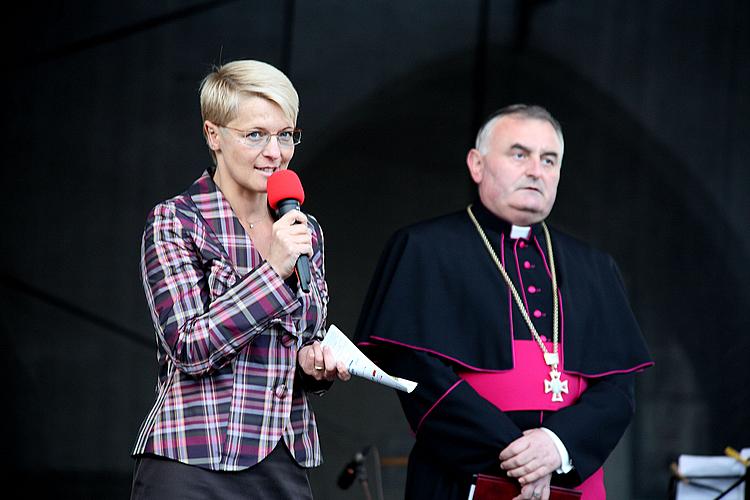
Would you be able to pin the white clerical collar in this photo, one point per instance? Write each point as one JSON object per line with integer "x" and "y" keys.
{"x": 517, "y": 232}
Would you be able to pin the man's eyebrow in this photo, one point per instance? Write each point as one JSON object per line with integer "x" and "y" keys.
{"x": 521, "y": 147}
{"x": 527, "y": 150}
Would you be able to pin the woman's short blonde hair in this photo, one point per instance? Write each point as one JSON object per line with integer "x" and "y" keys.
{"x": 222, "y": 89}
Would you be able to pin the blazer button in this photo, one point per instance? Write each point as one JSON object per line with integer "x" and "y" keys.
{"x": 280, "y": 391}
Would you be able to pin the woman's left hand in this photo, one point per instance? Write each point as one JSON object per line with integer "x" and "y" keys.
{"x": 320, "y": 363}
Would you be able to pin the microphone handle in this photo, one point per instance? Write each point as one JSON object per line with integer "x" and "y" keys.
{"x": 303, "y": 261}
{"x": 303, "y": 272}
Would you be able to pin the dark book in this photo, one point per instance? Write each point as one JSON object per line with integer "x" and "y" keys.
{"x": 499, "y": 488}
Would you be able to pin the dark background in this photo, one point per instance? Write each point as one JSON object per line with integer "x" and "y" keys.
{"x": 102, "y": 122}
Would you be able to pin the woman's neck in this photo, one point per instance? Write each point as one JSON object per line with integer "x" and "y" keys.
{"x": 249, "y": 207}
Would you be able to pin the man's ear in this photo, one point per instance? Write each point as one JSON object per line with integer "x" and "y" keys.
{"x": 211, "y": 131}
{"x": 475, "y": 162}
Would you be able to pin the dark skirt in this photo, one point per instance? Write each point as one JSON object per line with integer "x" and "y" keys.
{"x": 276, "y": 477}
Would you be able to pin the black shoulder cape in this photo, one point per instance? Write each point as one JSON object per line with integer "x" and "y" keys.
{"x": 436, "y": 289}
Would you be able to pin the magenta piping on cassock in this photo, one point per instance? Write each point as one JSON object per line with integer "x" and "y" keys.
{"x": 544, "y": 257}
{"x": 562, "y": 314}
{"x": 430, "y": 351}
{"x": 470, "y": 367}
{"x": 520, "y": 278}
{"x": 510, "y": 301}
{"x": 435, "y": 404}
{"x": 613, "y": 372}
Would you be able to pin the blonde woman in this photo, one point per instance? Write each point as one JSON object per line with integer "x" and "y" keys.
{"x": 238, "y": 343}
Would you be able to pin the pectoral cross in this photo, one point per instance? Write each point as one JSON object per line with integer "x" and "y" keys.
{"x": 555, "y": 385}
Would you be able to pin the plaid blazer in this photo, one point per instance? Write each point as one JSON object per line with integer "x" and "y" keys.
{"x": 228, "y": 330}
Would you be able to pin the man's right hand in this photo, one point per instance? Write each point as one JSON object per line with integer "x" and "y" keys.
{"x": 530, "y": 457}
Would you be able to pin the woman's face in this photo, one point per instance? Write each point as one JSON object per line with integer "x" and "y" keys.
{"x": 244, "y": 169}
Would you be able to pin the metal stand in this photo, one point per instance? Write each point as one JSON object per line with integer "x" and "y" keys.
{"x": 361, "y": 474}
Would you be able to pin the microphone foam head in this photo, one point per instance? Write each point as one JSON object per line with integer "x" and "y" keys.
{"x": 284, "y": 185}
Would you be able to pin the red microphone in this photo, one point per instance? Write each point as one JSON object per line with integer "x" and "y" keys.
{"x": 285, "y": 193}
{"x": 284, "y": 185}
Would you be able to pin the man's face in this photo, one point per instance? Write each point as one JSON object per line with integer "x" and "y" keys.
{"x": 518, "y": 173}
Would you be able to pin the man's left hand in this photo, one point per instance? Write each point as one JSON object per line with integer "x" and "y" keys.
{"x": 530, "y": 457}
{"x": 536, "y": 490}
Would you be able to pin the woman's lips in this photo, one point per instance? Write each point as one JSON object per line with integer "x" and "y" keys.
{"x": 266, "y": 170}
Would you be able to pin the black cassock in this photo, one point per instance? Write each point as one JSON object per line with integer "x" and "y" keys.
{"x": 437, "y": 305}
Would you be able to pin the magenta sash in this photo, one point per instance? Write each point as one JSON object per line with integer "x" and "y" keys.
{"x": 522, "y": 389}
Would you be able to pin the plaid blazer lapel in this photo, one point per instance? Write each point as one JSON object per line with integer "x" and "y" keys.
{"x": 222, "y": 227}
{"x": 225, "y": 236}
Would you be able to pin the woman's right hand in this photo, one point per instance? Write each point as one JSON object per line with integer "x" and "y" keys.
{"x": 290, "y": 238}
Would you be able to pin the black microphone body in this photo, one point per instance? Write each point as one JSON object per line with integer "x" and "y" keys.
{"x": 351, "y": 471}
{"x": 303, "y": 261}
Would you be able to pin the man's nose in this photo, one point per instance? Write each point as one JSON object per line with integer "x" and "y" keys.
{"x": 534, "y": 167}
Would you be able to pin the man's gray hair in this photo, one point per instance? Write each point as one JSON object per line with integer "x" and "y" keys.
{"x": 530, "y": 111}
